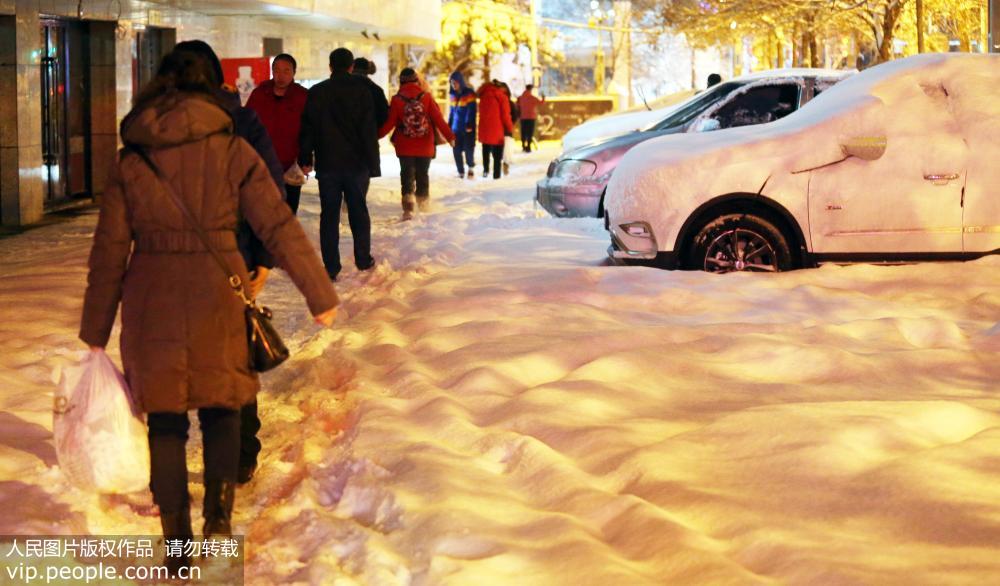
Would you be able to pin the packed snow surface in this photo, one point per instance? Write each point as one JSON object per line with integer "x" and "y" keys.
{"x": 495, "y": 405}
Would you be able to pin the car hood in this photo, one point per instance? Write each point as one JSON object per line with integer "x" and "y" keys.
{"x": 599, "y": 129}
{"x": 601, "y": 150}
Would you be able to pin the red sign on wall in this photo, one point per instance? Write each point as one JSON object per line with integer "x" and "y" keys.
{"x": 246, "y": 73}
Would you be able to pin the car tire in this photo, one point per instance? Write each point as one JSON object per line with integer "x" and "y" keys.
{"x": 722, "y": 245}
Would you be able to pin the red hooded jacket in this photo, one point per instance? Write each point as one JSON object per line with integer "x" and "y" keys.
{"x": 281, "y": 116}
{"x": 422, "y": 146}
{"x": 494, "y": 115}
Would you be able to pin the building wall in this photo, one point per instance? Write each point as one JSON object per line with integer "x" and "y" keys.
{"x": 310, "y": 30}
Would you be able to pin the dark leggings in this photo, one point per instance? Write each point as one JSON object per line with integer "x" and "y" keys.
{"x": 497, "y": 151}
{"x": 168, "y": 433}
{"x": 527, "y": 133}
{"x": 465, "y": 146}
{"x": 292, "y": 195}
{"x": 413, "y": 176}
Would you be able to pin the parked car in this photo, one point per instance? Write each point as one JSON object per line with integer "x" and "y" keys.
{"x": 575, "y": 182}
{"x": 897, "y": 163}
{"x": 616, "y": 123}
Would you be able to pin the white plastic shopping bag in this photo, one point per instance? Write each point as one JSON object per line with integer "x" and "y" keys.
{"x": 508, "y": 149}
{"x": 100, "y": 436}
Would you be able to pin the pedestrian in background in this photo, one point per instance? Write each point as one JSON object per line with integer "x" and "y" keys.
{"x": 183, "y": 333}
{"x": 528, "y": 104}
{"x": 413, "y": 118}
{"x": 339, "y": 135}
{"x": 508, "y": 136}
{"x": 364, "y": 69}
{"x": 462, "y": 120}
{"x": 494, "y": 121}
{"x": 279, "y": 103}
{"x": 258, "y": 260}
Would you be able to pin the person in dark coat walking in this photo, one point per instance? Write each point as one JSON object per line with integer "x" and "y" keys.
{"x": 339, "y": 136}
{"x": 364, "y": 68}
{"x": 279, "y": 103}
{"x": 258, "y": 260}
{"x": 494, "y": 123}
{"x": 183, "y": 333}
{"x": 413, "y": 118}
{"x": 462, "y": 120}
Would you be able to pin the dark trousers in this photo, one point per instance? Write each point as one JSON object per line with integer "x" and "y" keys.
{"x": 414, "y": 179}
{"x": 527, "y": 134}
{"x": 352, "y": 188}
{"x": 465, "y": 145}
{"x": 496, "y": 151}
{"x": 249, "y": 444}
{"x": 292, "y": 194}
{"x": 168, "y": 433}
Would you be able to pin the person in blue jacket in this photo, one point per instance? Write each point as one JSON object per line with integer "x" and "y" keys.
{"x": 462, "y": 119}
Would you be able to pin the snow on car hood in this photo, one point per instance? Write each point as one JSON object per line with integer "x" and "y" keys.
{"x": 610, "y": 126}
{"x": 954, "y": 89}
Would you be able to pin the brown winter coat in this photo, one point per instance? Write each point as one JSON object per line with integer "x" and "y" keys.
{"x": 183, "y": 340}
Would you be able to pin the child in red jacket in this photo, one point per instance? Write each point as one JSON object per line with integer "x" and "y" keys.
{"x": 414, "y": 115}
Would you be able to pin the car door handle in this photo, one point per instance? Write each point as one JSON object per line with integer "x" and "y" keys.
{"x": 941, "y": 177}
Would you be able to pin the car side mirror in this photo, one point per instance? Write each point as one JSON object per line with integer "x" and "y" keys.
{"x": 868, "y": 148}
{"x": 707, "y": 125}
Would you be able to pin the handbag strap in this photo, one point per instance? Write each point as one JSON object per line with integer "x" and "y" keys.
{"x": 234, "y": 280}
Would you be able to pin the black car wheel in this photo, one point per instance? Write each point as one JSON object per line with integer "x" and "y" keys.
{"x": 740, "y": 242}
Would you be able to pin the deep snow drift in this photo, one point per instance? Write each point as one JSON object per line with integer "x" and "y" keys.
{"x": 496, "y": 406}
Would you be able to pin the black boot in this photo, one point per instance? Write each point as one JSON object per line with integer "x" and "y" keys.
{"x": 218, "y": 509}
{"x": 177, "y": 527}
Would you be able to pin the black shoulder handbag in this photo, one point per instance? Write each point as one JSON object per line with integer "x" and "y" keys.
{"x": 266, "y": 348}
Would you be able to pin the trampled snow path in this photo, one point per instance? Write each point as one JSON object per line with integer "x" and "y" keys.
{"x": 496, "y": 406}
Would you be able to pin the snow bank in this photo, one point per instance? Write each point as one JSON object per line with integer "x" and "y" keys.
{"x": 496, "y": 406}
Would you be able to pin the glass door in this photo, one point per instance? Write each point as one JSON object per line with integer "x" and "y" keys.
{"x": 54, "y": 109}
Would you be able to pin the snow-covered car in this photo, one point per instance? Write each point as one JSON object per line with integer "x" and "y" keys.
{"x": 897, "y": 163}
{"x": 575, "y": 181}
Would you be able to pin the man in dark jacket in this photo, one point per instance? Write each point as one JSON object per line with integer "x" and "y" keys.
{"x": 340, "y": 138}
{"x": 363, "y": 68}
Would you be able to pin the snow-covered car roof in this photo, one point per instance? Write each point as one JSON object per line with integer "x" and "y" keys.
{"x": 795, "y": 72}
{"x": 617, "y": 123}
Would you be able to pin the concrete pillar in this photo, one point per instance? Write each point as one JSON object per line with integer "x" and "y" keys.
{"x": 103, "y": 102}
{"x": 21, "y": 183}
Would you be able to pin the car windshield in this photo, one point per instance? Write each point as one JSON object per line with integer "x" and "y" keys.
{"x": 696, "y": 105}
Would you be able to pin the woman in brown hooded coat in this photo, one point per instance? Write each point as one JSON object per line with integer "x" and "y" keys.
{"x": 184, "y": 339}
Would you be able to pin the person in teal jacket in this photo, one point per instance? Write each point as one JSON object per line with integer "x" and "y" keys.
{"x": 462, "y": 120}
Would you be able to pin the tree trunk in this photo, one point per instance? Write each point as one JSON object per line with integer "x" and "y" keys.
{"x": 486, "y": 67}
{"x": 920, "y": 26}
{"x": 888, "y": 30}
{"x": 814, "y": 50}
{"x": 780, "y": 51}
{"x": 806, "y": 46}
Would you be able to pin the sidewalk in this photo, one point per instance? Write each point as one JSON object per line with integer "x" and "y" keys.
{"x": 496, "y": 406}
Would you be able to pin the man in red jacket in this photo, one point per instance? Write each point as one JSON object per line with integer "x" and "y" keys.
{"x": 414, "y": 115}
{"x": 528, "y": 104}
{"x": 279, "y": 103}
